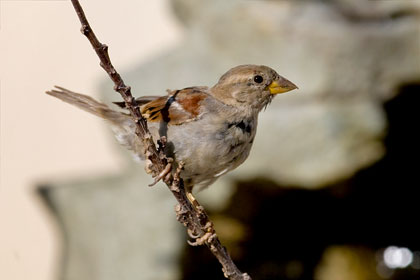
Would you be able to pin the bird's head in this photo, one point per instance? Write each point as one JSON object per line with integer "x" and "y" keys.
{"x": 250, "y": 86}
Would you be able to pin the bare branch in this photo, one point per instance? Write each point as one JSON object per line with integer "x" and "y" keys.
{"x": 191, "y": 216}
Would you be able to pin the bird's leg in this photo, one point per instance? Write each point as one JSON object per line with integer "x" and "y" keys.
{"x": 165, "y": 174}
{"x": 207, "y": 230}
{"x": 191, "y": 198}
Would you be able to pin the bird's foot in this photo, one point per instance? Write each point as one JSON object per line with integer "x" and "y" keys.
{"x": 205, "y": 238}
{"x": 164, "y": 174}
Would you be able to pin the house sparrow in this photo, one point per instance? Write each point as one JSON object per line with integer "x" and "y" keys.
{"x": 211, "y": 130}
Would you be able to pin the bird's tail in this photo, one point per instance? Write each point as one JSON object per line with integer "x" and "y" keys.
{"x": 88, "y": 104}
{"x": 122, "y": 124}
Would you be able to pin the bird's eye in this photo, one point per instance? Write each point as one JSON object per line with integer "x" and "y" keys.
{"x": 258, "y": 79}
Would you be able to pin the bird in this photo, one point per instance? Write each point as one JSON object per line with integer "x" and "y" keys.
{"x": 209, "y": 129}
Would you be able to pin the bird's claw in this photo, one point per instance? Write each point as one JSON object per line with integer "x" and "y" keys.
{"x": 192, "y": 234}
{"x": 205, "y": 238}
{"x": 164, "y": 174}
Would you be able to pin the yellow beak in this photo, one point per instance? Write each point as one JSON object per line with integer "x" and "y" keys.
{"x": 280, "y": 86}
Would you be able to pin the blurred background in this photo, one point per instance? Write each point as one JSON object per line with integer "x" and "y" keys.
{"x": 330, "y": 190}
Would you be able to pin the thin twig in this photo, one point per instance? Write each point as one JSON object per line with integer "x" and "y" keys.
{"x": 195, "y": 219}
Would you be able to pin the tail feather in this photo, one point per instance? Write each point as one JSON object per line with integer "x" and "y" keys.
{"x": 122, "y": 124}
{"x": 88, "y": 104}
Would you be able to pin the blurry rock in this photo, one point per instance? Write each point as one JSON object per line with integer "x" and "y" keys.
{"x": 347, "y": 57}
{"x": 115, "y": 228}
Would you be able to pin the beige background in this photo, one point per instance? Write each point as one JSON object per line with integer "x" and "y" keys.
{"x": 42, "y": 138}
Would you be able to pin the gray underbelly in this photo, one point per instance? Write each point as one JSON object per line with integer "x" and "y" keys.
{"x": 208, "y": 159}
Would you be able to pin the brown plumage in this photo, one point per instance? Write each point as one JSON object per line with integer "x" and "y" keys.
{"x": 178, "y": 107}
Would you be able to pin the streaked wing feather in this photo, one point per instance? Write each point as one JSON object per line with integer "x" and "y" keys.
{"x": 177, "y": 108}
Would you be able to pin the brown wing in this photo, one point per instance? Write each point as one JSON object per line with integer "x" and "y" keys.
{"x": 178, "y": 107}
